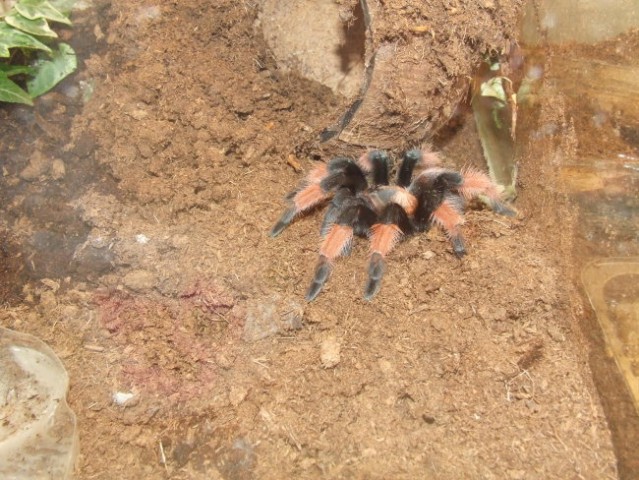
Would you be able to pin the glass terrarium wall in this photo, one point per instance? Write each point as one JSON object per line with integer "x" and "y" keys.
{"x": 583, "y": 63}
{"x": 578, "y": 21}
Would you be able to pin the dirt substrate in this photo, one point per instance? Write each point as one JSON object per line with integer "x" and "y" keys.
{"x": 164, "y": 282}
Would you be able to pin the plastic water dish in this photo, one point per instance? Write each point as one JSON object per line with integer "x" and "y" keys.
{"x": 612, "y": 285}
{"x": 38, "y": 437}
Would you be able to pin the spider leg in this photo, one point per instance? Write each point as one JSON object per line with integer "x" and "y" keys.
{"x": 448, "y": 215}
{"x": 355, "y": 218}
{"x": 334, "y": 208}
{"x": 299, "y": 202}
{"x": 393, "y": 225}
{"x": 379, "y": 167}
{"x": 336, "y": 243}
{"x": 501, "y": 208}
{"x": 477, "y": 184}
{"x": 407, "y": 167}
{"x": 413, "y": 158}
{"x": 343, "y": 172}
{"x": 317, "y": 187}
{"x": 305, "y": 197}
{"x": 349, "y": 175}
{"x": 429, "y": 188}
{"x": 284, "y": 221}
{"x": 375, "y": 162}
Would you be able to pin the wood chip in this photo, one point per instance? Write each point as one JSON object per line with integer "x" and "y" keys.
{"x": 293, "y": 162}
{"x": 420, "y": 28}
{"x": 93, "y": 348}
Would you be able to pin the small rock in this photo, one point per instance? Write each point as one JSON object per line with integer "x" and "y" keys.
{"x": 258, "y": 150}
{"x": 292, "y": 318}
{"x": 97, "y": 32}
{"x": 268, "y": 316}
{"x": 429, "y": 419}
{"x": 84, "y": 146}
{"x": 555, "y": 333}
{"x": 236, "y": 460}
{"x": 48, "y": 300}
{"x": 129, "y": 434}
{"x": 93, "y": 257}
{"x": 308, "y": 463}
{"x": 223, "y": 361}
{"x": 141, "y": 239}
{"x": 203, "y": 135}
{"x": 439, "y": 322}
{"x": 179, "y": 241}
{"x": 248, "y": 156}
{"x": 261, "y": 321}
{"x": 145, "y": 150}
{"x": 330, "y": 353}
{"x": 496, "y": 314}
{"x": 140, "y": 280}
{"x": 219, "y": 193}
{"x": 125, "y": 399}
{"x": 532, "y": 405}
{"x": 385, "y": 366}
{"x": 237, "y": 394}
{"x": 38, "y": 165}
{"x": 57, "y": 170}
{"x": 428, "y": 254}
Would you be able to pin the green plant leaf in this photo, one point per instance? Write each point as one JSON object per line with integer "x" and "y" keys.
{"x": 38, "y": 27}
{"x": 11, "y": 70}
{"x": 48, "y": 73}
{"x": 34, "y": 9}
{"x": 11, "y": 91}
{"x": 494, "y": 88}
{"x": 64, "y": 6}
{"x": 12, "y": 38}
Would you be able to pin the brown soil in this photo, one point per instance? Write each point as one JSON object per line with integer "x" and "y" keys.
{"x": 153, "y": 227}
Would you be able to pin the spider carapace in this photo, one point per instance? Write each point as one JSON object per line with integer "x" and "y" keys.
{"x": 362, "y": 202}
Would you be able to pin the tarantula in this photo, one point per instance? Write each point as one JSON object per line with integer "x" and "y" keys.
{"x": 382, "y": 212}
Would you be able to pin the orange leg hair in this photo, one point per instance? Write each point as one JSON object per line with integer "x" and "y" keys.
{"x": 337, "y": 242}
{"x": 449, "y": 217}
{"x": 308, "y": 196}
{"x": 393, "y": 224}
{"x": 476, "y": 184}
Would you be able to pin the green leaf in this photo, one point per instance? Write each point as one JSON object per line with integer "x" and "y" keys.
{"x": 11, "y": 92}
{"x": 34, "y": 9}
{"x": 38, "y": 27}
{"x": 12, "y": 38}
{"x": 11, "y": 70}
{"x": 48, "y": 73}
{"x": 64, "y": 6}
{"x": 494, "y": 88}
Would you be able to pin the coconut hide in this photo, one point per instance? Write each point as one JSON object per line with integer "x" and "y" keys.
{"x": 402, "y": 67}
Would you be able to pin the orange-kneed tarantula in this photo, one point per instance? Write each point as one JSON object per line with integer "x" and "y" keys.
{"x": 362, "y": 202}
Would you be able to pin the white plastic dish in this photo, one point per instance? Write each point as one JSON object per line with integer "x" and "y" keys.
{"x": 38, "y": 436}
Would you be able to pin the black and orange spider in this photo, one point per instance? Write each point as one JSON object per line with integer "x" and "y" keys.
{"x": 382, "y": 212}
